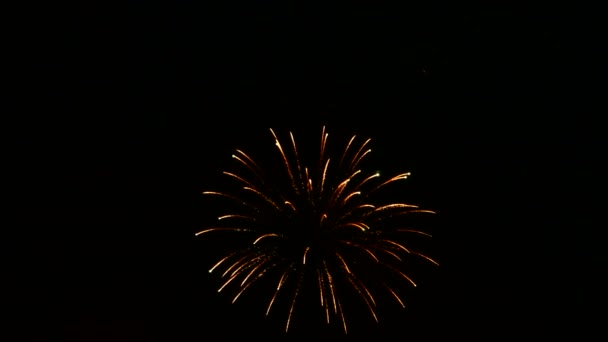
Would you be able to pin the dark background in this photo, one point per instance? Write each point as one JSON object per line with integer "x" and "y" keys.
{"x": 132, "y": 110}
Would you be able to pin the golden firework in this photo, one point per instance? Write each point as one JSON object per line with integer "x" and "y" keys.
{"x": 328, "y": 223}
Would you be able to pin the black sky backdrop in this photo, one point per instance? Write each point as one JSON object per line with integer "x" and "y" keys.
{"x": 134, "y": 109}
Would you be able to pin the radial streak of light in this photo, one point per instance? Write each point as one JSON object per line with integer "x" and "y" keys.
{"x": 403, "y": 275}
{"x": 265, "y": 236}
{"x": 249, "y": 163}
{"x": 365, "y": 249}
{"x": 332, "y": 290}
{"x": 219, "y": 229}
{"x": 364, "y": 293}
{"x": 342, "y": 318}
{"x": 346, "y": 149}
{"x": 365, "y": 180}
{"x": 276, "y": 292}
{"x": 343, "y": 262}
{"x": 395, "y": 206}
{"x": 427, "y": 258}
{"x": 358, "y": 156}
{"x": 393, "y": 254}
{"x": 391, "y": 180}
{"x": 323, "y": 141}
{"x": 293, "y": 304}
{"x": 400, "y": 246}
{"x": 252, "y": 271}
{"x": 323, "y": 176}
{"x": 241, "y": 179}
{"x": 304, "y": 256}
{"x": 262, "y": 195}
{"x": 220, "y": 262}
{"x": 297, "y": 158}
{"x": 285, "y": 160}
{"x": 350, "y": 195}
{"x": 396, "y": 296}
{"x": 291, "y": 206}
{"x": 245, "y": 286}
{"x": 360, "y": 225}
{"x": 236, "y": 265}
{"x": 229, "y": 216}
{"x": 414, "y": 231}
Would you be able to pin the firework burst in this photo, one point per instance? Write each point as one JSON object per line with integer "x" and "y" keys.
{"x": 321, "y": 231}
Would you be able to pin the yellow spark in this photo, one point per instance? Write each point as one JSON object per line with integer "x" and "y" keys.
{"x": 239, "y": 293}
{"x": 353, "y": 175}
{"x": 295, "y": 151}
{"x": 362, "y": 206}
{"x": 320, "y": 286}
{"x": 266, "y": 198}
{"x": 265, "y": 236}
{"x": 219, "y": 229}
{"x": 248, "y": 158}
{"x": 375, "y": 175}
{"x": 323, "y": 176}
{"x": 249, "y": 284}
{"x": 396, "y": 178}
{"x": 323, "y": 142}
{"x": 403, "y": 275}
{"x": 427, "y": 258}
{"x": 422, "y": 211}
{"x": 284, "y": 158}
{"x": 234, "y": 216}
{"x": 396, "y": 297}
{"x": 363, "y": 155}
{"x": 342, "y": 317}
{"x": 360, "y": 225}
{"x": 394, "y": 206}
{"x": 291, "y": 206}
{"x": 239, "y": 269}
{"x": 252, "y": 167}
{"x": 227, "y": 282}
{"x": 235, "y": 264}
{"x": 393, "y": 254}
{"x": 274, "y": 296}
{"x": 304, "y": 257}
{"x": 358, "y": 156}
{"x": 222, "y": 194}
{"x": 351, "y": 195}
{"x": 237, "y": 177}
{"x": 347, "y": 148}
{"x": 220, "y": 262}
{"x": 415, "y": 231}
{"x": 293, "y": 304}
{"x": 255, "y": 268}
{"x": 339, "y": 189}
{"x": 247, "y": 264}
{"x": 343, "y": 263}
{"x": 365, "y": 249}
{"x": 371, "y": 254}
{"x": 331, "y": 287}
{"x": 397, "y": 244}
{"x": 357, "y": 287}
{"x": 408, "y": 278}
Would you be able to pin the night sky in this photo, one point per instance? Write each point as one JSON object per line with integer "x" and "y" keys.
{"x": 133, "y": 110}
